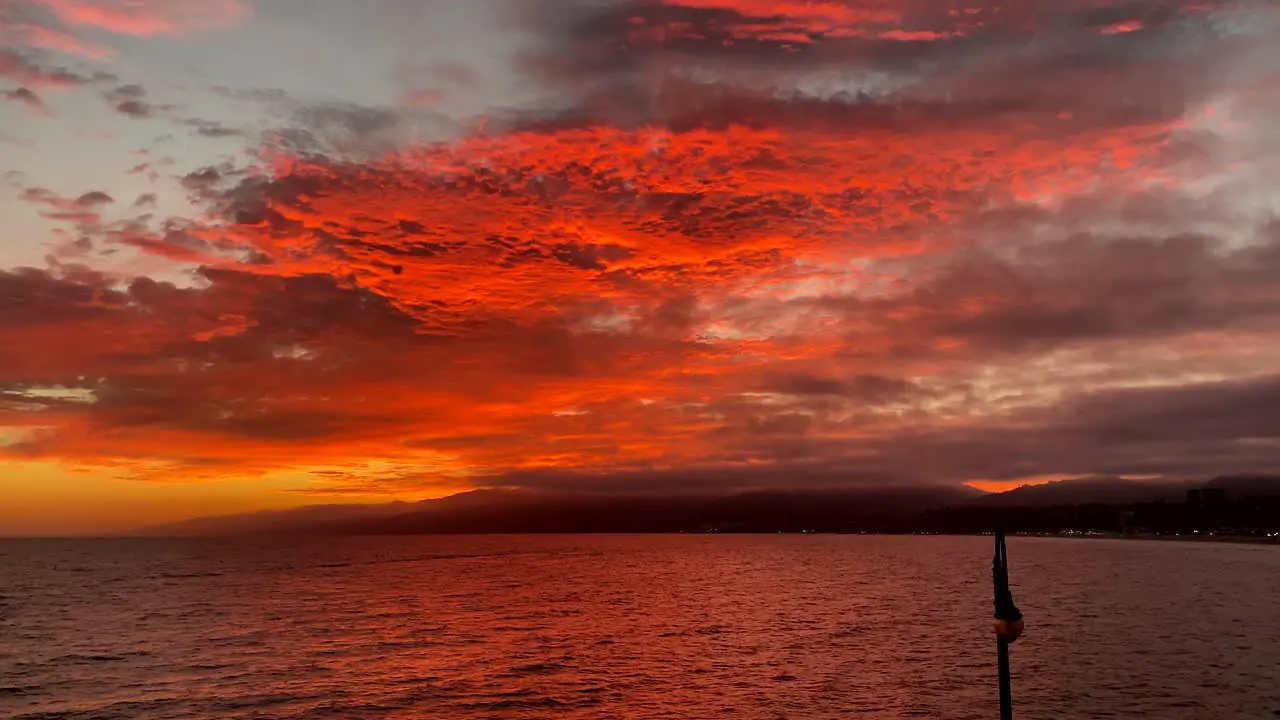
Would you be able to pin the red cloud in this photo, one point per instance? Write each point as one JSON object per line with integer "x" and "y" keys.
{"x": 36, "y": 36}
{"x": 150, "y": 17}
{"x": 590, "y": 297}
{"x": 802, "y": 22}
{"x": 20, "y": 70}
{"x": 798, "y": 24}
{"x": 712, "y": 274}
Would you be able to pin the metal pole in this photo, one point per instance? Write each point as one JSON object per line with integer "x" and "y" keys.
{"x": 1006, "y": 690}
{"x": 1008, "y": 622}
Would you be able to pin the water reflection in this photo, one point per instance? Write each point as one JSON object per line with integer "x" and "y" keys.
{"x": 647, "y": 627}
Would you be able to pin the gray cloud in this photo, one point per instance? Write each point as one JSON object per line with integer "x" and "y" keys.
{"x": 29, "y": 68}
{"x": 25, "y": 96}
{"x": 217, "y": 130}
{"x": 1192, "y": 431}
{"x": 873, "y": 389}
{"x": 131, "y": 100}
{"x": 94, "y": 199}
{"x": 638, "y": 63}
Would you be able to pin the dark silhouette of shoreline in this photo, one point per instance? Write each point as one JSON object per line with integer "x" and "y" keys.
{"x": 1230, "y": 507}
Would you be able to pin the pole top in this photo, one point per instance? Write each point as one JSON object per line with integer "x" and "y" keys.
{"x": 1008, "y": 623}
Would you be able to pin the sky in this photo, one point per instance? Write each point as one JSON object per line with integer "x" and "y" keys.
{"x": 259, "y": 254}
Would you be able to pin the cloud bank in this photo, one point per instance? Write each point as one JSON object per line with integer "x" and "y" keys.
{"x": 873, "y": 240}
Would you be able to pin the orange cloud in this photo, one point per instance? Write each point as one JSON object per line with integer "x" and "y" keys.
{"x": 1124, "y": 26}
{"x": 582, "y": 298}
{"x": 685, "y": 267}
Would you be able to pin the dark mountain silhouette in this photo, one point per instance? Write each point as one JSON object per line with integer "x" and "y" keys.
{"x": 1102, "y": 503}
{"x": 763, "y": 511}
{"x": 1099, "y": 490}
{"x": 1224, "y": 506}
{"x": 499, "y": 511}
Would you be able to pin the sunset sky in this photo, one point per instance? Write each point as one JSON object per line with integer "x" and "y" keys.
{"x": 267, "y": 253}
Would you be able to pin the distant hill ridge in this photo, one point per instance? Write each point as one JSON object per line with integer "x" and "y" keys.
{"x": 1109, "y": 490}
{"x": 890, "y": 509}
{"x": 505, "y": 511}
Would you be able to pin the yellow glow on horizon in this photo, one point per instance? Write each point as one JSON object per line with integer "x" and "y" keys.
{"x": 48, "y": 499}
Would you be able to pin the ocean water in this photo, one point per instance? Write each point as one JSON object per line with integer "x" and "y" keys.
{"x": 575, "y": 627}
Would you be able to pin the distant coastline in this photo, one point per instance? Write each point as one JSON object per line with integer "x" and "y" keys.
{"x": 1149, "y": 537}
{"x": 1224, "y": 509}
{"x": 1234, "y": 539}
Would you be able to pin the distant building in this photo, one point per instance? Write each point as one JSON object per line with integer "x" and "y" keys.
{"x": 1206, "y": 498}
{"x": 1126, "y": 523}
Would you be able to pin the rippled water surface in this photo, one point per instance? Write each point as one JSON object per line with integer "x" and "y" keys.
{"x": 803, "y": 627}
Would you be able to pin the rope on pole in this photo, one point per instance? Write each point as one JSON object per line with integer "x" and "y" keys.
{"x": 1008, "y": 622}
